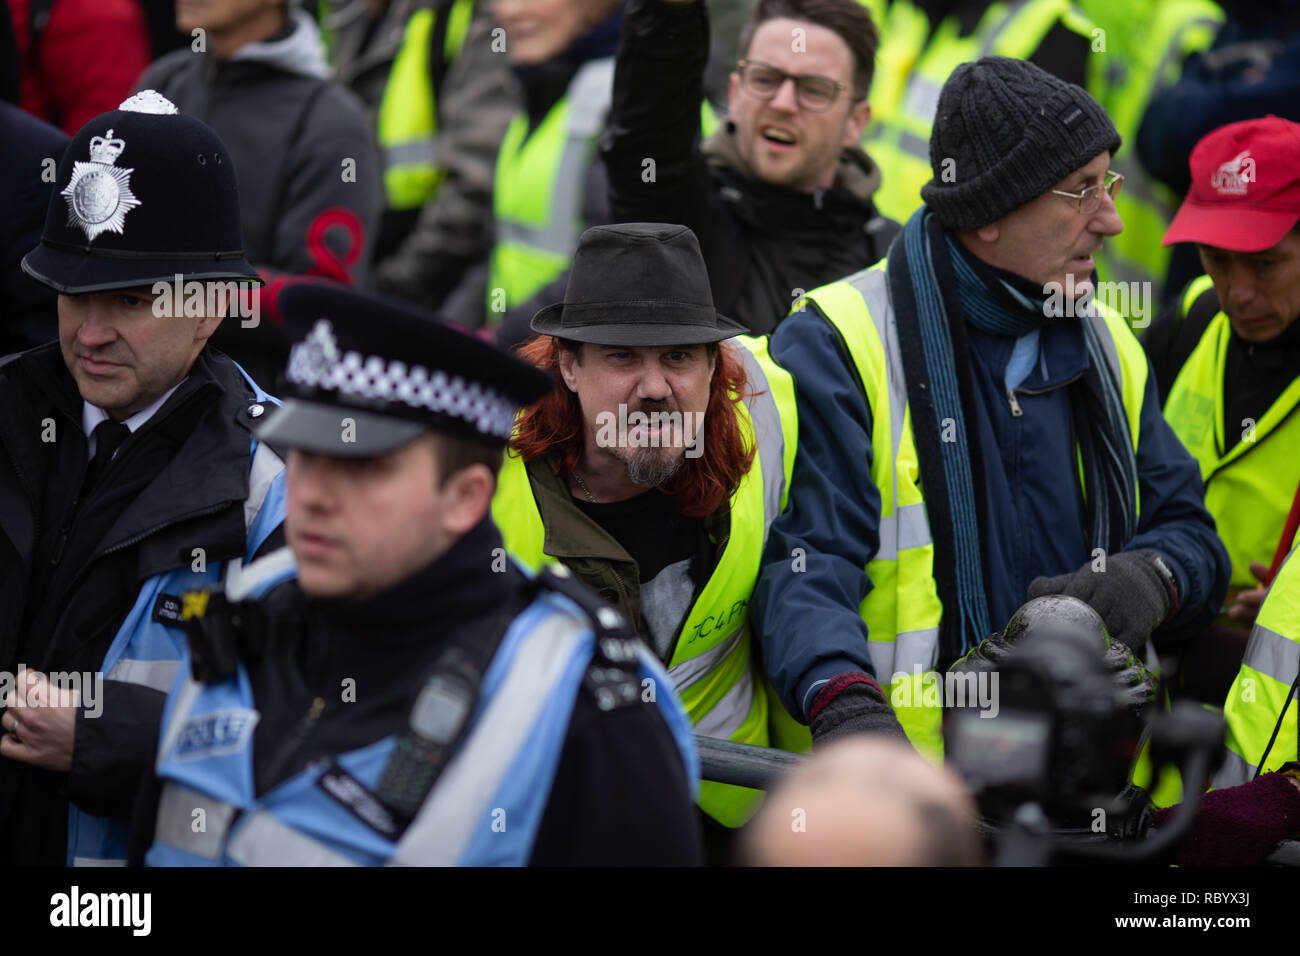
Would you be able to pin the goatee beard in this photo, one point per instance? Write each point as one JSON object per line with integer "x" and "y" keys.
{"x": 651, "y": 469}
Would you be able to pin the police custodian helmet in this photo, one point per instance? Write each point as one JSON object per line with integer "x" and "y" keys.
{"x": 368, "y": 374}
{"x": 143, "y": 194}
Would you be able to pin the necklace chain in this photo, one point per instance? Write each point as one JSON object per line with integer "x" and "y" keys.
{"x": 583, "y": 485}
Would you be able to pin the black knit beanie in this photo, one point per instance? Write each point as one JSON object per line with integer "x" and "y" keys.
{"x": 1005, "y": 132}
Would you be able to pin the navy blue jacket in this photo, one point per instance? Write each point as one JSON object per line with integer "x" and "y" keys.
{"x": 809, "y": 623}
{"x": 28, "y": 309}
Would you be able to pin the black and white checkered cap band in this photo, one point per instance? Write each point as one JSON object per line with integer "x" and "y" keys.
{"x": 315, "y": 362}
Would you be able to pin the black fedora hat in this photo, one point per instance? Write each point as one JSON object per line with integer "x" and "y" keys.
{"x": 637, "y": 283}
{"x": 143, "y": 194}
{"x": 367, "y": 374}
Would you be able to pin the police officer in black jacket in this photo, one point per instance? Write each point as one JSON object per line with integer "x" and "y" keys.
{"x": 127, "y": 472}
{"x": 392, "y": 688}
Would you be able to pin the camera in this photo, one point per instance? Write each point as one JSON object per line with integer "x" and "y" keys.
{"x": 1050, "y": 768}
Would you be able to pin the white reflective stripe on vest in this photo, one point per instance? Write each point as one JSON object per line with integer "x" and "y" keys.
{"x": 768, "y": 435}
{"x": 262, "y": 840}
{"x": 729, "y": 712}
{"x": 1271, "y": 653}
{"x": 1235, "y": 771}
{"x": 174, "y": 823}
{"x": 908, "y": 653}
{"x": 156, "y": 674}
{"x": 444, "y": 825}
{"x": 914, "y": 530}
{"x": 408, "y": 154}
{"x": 908, "y": 527}
{"x": 92, "y": 861}
{"x": 693, "y": 668}
{"x": 589, "y": 97}
{"x": 241, "y": 581}
{"x": 266, "y": 465}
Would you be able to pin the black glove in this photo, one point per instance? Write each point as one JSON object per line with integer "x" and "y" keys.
{"x": 1134, "y": 595}
{"x": 1138, "y": 685}
{"x": 988, "y": 655}
{"x": 852, "y": 703}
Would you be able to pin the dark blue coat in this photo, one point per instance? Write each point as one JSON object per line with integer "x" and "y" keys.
{"x": 809, "y": 623}
{"x": 28, "y": 312}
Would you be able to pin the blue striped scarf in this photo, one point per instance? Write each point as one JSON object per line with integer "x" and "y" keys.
{"x": 934, "y": 293}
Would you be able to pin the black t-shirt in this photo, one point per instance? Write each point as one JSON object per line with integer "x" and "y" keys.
{"x": 1255, "y": 376}
{"x": 669, "y": 549}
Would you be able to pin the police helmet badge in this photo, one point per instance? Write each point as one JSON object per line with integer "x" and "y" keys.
{"x": 99, "y": 193}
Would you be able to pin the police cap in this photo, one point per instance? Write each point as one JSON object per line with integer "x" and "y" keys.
{"x": 143, "y": 194}
{"x": 368, "y": 374}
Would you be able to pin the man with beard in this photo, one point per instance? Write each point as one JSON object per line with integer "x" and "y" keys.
{"x": 654, "y": 469}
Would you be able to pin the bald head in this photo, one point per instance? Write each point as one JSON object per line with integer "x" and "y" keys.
{"x": 863, "y": 801}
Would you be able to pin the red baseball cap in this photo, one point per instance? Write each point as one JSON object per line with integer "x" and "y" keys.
{"x": 1245, "y": 193}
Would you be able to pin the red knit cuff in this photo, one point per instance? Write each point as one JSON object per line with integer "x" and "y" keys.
{"x": 832, "y": 690}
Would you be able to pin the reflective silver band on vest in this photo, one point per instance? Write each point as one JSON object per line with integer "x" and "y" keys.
{"x": 262, "y": 840}
{"x": 909, "y": 526}
{"x": 768, "y": 435}
{"x": 266, "y": 465}
{"x": 1235, "y": 771}
{"x": 726, "y": 716}
{"x": 908, "y": 653}
{"x": 243, "y": 580}
{"x": 417, "y": 151}
{"x": 178, "y": 816}
{"x": 156, "y": 674}
{"x": 1273, "y": 654}
{"x": 589, "y": 95}
{"x": 687, "y": 672}
{"x": 445, "y": 824}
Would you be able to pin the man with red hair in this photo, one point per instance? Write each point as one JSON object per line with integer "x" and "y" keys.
{"x": 654, "y": 469}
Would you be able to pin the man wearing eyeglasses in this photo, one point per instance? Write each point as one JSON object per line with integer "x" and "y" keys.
{"x": 974, "y": 431}
{"x": 780, "y": 195}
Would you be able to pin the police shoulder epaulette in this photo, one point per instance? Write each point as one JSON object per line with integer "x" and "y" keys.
{"x": 613, "y": 677}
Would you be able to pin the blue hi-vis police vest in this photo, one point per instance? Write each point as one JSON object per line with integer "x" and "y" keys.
{"x": 485, "y": 809}
{"x": 148, "y": 651}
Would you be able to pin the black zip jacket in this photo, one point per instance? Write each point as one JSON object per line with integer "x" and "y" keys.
{"x": 760, "y": 242}
{"x": 620, "y": 794}
{"x": 70, "y": 570}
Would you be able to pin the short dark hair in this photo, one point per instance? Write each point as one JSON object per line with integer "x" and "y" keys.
{"x": 452, "y": 453}
{"x": 848, "y": 19}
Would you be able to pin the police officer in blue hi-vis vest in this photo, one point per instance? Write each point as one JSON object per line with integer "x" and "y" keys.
{"x": 391, "y": 688}
{"x": 128, "y": 471}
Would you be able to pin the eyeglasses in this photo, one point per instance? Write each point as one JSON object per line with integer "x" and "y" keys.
{"x": 1090, "y": 199}
{"x": 812, "y": 92}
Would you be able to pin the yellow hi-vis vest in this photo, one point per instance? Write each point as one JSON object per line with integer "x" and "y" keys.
{"x": 900, "y": 143}
{"x": 1263, "y": 686}
{"x": 539, "y": 188}
{"x": 904, "y": 29}
{"x": 408, "y": 113}
{"x": 902, "y": 610}
{"x": 1138, "y": 52}
{"x": 714, "y": 666}
{"x": 1250, "y": 470}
